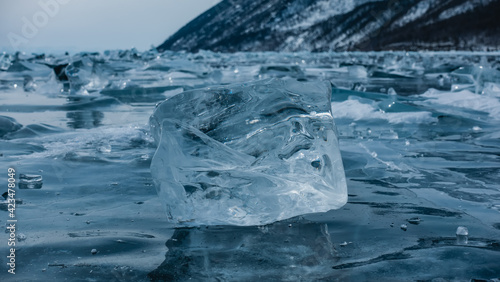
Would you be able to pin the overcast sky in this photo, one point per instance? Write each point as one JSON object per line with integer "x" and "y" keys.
{"x": 92, "y": 25}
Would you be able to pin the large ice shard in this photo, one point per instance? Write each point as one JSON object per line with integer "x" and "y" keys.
{"x": 247, "y": 154}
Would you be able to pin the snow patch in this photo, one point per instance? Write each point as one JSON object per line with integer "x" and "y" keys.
{"x": 354, "y": 109}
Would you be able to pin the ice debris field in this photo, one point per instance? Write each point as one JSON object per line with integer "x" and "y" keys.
{"x": 302, "y": 166}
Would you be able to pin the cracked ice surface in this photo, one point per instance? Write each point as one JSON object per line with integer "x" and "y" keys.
{"x": 247, "y": 154}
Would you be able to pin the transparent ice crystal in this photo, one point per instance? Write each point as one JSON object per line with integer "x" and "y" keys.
{"x": 247, "y": 154}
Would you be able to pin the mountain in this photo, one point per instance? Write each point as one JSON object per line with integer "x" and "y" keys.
{"x": 337, "y": 25}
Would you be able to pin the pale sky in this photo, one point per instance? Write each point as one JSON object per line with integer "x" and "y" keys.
{"x": 92, "y": 25}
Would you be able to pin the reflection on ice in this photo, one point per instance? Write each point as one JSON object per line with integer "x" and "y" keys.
{"x": 285, "y": 251}
{"x": 333, "y": 247}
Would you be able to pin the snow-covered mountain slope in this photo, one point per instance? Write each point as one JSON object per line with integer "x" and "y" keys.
{"x": 336, "y": 25}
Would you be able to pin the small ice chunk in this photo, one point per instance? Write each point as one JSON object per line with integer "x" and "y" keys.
{"x": 21, "y": 237}
{"x": 345, "y": 243}
{"x": 30, "y": 181}
{"x": 414, "y": 220}
{"x": 5, "y": 61}
{"x": 473, "y": 78}
{"x": 462, "y": 233}
{"x": 212, "y": 166}
{"x": 106, "y": 148}
{"x": 7, "y": 125}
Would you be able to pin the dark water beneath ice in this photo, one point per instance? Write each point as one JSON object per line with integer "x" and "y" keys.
{"x": 419, "y": 138}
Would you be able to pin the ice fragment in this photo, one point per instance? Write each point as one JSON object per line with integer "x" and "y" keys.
{"x": 214, "y": 166}
{"x": 30, "y": 181}
{"x": 462, "y": 233}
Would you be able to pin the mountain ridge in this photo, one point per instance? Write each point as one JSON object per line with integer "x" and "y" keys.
{"x": 335, "y": 25}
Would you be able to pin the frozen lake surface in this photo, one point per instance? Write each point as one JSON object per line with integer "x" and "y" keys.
{"x": 419, "y": 137}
